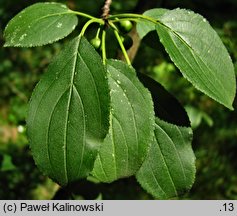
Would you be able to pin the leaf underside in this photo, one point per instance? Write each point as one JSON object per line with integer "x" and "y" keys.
{"x": 169, "y": 169}
{"x": 40, "y": 24}
{"x": 199, "y": 53}
{"x": 144, "y": 27}
{"x": 69, "y": 113}
{"x": 166, "y": 106}
{"x": 131, "y": 125}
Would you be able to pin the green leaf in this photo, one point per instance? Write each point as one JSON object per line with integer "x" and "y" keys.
{"x": 169, "y": 169}
{"x": 7, "y": 164}
{"x": 197, "y": 116}
{"x": 144, "y": 27}
{"x": 131, "y": 125}
{"x": 40, "y": 24}
{"x": 199, "y": 53}
{"x": 69, "y": 113}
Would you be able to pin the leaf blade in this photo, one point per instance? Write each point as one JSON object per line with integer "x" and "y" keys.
{"x": 131, "y": 125}
{"x": 68, "y": 113}
{"x": 39, "y": 24}
{"x": 169, "y": 169}
{"x": 203, "y": 60}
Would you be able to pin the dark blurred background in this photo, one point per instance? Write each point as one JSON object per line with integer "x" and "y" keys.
{"x": 215, "y": 127}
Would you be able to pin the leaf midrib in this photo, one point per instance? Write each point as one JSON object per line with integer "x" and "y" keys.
{"x": 95, "y": 87}
{"x": 132, "y": 109}
{"x": 67, "y": 112}
{"x": 115, "y": 118}
{"x": 40, "y": 102}
{"x": 155, "y": 178}
{"x": 193, "y": 51}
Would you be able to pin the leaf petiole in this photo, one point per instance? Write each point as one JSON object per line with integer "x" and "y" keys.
{"x": 98, "y": 33}
{"x": 86, "y": 26}
{"x": 120, "y": 43}
{"x": 103, "y": 47}
{"x": 87, "y": 16}
{"x": 121, "y": 19}
{"x": 133, "y": 17}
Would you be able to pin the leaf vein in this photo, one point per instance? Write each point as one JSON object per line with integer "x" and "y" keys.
{"x": 133, "y": 113}
{"x": 197, "y": 74}
{"x": 95, "y": 87}
{"x": 177, "y": 152}
{"x": 48, "y": 129}
{"x": 155, "y": 178}
{"x": 113, "y": 146}
{"x": 102, "y": 167}
{"x": 84, "y": 131}
{"x": 167, "y": 167}
{"x": 127, "y": 155}
{"x": 194, "y": 51}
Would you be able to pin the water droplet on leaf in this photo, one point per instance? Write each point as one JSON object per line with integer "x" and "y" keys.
{"x": 22, "y": 37}
{"x": 59, "y": 25}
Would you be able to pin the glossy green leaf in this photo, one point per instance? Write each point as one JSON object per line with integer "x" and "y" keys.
{"x": 131, "y": 125}
{"x": 40, "y": 24}
{"x": 169, "y": 169}
{"x": 69, "y": 113}
{"x": 144, "y": 26}
{"x": 199, "y": 53}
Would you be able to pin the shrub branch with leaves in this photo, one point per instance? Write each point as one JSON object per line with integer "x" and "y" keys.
{"x": 93, "y": 116}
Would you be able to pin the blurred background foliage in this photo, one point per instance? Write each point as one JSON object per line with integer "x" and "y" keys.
{"x": 215, "y": 127}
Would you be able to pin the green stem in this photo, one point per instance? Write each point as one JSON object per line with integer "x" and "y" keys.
{"x": 136, "y": 16}
{"x": 103, "y": 47}
{"x": 121, "y": 44}
{"x": 98, "y": 33}
{"x": 86, "y": 26}
{"x": 87, "y": 16}
{"x": 131, "y": 19}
